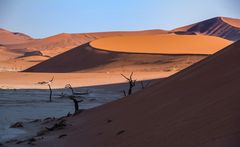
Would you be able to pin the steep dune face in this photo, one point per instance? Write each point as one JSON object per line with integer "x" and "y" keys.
{"x": 197, "y": 107}
{"x": 224, "y": 27}
{"x": 85, "y": 57}
{"x": 162, "y": 44}
{"x": 7, "y": 37}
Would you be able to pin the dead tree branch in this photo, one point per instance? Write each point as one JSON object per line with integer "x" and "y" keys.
{"x": 49, "y": 86}
{"x": 76, "y": 93}
{"x": 75, "y": 101}
{"x": 131, "y": 83}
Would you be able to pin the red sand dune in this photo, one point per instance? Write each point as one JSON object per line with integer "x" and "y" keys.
{"x": 228, "y": 28}
{"x": 162, "y": 44}
{"x": 60, "y": 43}
{"x": 49, "y": 46}
{"x": 197, "y": 107}
{"x": 8, "y": 37}
{"x": 86, "y": 57}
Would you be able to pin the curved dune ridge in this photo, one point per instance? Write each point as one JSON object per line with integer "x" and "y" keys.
{"x": 85, "y": 57}
{"x": 198, "y": 106}
{"x": 232, "y": 21}
{"x": 162, "y": 44}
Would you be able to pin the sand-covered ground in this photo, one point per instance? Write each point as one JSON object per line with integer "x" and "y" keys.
{"x": 23, "y": 100}
{"x": 24, "y": 80}
{"x": 27, "y": 105}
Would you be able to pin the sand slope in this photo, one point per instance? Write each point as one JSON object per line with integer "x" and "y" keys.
{"x": 162, "y": 44}
{"x": 8, "y": 37}
{"x": 14, "y": 60}
{"x": 196, "y": 107}
{"x": 228, "y": 28}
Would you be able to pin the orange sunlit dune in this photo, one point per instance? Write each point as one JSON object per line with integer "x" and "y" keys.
{"x": 163, "y": 44}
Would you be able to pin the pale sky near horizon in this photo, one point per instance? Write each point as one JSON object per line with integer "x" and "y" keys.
{"x": 42, "y": 18}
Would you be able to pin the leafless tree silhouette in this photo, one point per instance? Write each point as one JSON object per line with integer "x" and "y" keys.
{"x": 75, "y": 101}
{"x": 76, "y": 93}
{"x": 124, "y": 92}
{"x": 49, "y": 86}
{"x": 131, "y": 83}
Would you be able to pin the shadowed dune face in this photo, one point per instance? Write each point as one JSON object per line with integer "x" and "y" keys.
{"x": 223, "y": 27}
{"x": 162, "y": 44}
{"x": 196, "y": 107}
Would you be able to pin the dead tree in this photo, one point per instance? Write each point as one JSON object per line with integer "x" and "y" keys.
{"x": 70, "y": 87}
{"x": 131, "y": 83}
{"x": 76, "y": 93}
{"x": 50, "y": 94}
{"x": 75, "y": 101}
{"x": 49, "y": 86}
{"x": 124, "y": 92}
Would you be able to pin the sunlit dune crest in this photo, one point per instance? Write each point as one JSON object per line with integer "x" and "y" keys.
{"x": 162, "y": 44}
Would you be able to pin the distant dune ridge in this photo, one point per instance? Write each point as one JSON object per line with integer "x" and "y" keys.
{"x": 7, "y": 37}
{"x": 198, "y": 106}
{"x": 228, "y": 28}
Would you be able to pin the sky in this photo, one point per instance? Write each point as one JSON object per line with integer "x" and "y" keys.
{"x": 42, "y": 18}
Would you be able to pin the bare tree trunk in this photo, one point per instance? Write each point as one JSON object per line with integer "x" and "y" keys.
{"x": 50, "y": 95}
{"x": 131, "y": 82}
{"x": 72, "y": 90}
{"x": 76, "y": 105}
{"x": 49, "y": 86}
{"x": 130, "y": 89}
{"x": 124, "y": 92}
